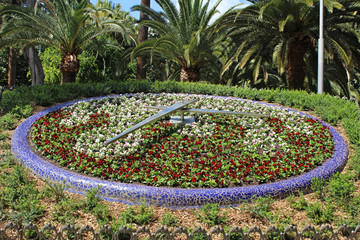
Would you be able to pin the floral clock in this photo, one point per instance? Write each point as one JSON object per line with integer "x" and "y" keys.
{"x": 217, "y": 158}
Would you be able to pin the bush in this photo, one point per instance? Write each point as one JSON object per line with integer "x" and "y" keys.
{"x": 56, "y": 190}
{"x": 50, "y": 59}
{"x": 4, "y": 136}
{"x": 341, "y": 187}
{"x": 5, "y": 145}
{"x": 22, "y": 111}
{"x": 169, "y": 220}
{"x": 94, "y": 89}
{"x": 352, "y": 207}
{"x": 92, "y": 200}
{"x": 141, "y": 216}
{"x": 319, "y": 213}
{"x": 26, "y": 210}
{"x": 66, "y": 211}
{"x": 352, "y": 127}
{"x": 261, "y": 208}
{"x": 128, "y": 215}
{"x": 354, "y": 164}
{"x": 20, "y": 196}
{"x": 10, "y": 100}
{"x": 144, "y": 215}
{"x": 43, "y": 95}
{"x": 299, "y": 204}
{"x": 8, "y": 122}
{"x": 197, "y": 234}
{"x": 210, "y": 214}
{"x": 318, "y": 185}
{"x": 102, "y": 213}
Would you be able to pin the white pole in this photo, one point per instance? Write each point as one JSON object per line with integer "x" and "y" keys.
{"x": 321, "y": 49}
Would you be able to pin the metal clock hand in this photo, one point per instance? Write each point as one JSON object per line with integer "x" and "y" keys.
{"x": 151, "y": 119}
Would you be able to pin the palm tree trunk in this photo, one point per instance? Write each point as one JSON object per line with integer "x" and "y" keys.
{"x": 12, "y": 60}
{"x": 68, "y": 77}
{"x": 296, "y": 65}
{"x": 69, "y": 68}
{"x": 142, "y": 37}
{"x": 12, "y": 67}
{"x": 189, "y": 74}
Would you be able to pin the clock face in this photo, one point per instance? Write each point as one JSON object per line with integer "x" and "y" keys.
{"x": 214, "y": 151}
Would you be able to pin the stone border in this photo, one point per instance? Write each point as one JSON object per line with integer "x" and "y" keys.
{"x": 162, "y": 196}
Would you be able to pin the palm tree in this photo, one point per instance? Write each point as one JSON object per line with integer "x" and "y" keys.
{"x": 284, "y": 33}
{"x": 65, "y": 26}
{"x": 31, "y": 55}
{"x": 142, "y": 37}
{"x": 184, "y": 35}
{"x": 12, "y": 53}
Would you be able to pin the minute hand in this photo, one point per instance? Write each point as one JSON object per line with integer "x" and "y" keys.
{"x": 211, "y": 111}
{"x": 151, "y": 119}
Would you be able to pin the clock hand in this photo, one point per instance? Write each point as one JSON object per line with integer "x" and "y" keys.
{"x": 151, "y": 119}
{"x": 210, "y": 111}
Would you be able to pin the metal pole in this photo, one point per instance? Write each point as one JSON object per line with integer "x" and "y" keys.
{"x": 321, "y": 49}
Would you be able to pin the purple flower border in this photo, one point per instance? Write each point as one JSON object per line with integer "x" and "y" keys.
{"x": 162, "y": 196}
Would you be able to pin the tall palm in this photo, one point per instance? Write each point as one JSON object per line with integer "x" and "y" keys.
{"x": 185, "y": 35}
{"x": 60, "y": 24}
{"x": 114, "y": 11}
{"x": 12, "y": 52}
{"x": 142, "y": 37}
{"x": 285, "y": 33}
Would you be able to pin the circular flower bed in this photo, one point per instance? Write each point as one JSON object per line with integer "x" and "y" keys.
{"x": 214, "y": 151}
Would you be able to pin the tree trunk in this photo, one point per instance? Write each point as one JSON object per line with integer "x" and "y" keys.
{"x": 12, "y": 67}
{"x": 12, "y": 59}
{"x": 142, "y": 37}
{"x": 190, "y": 74}
{"x": 296, "y": 65}
{"x": 68, "y": 77}
{"x": 69, "y": 68}
{"x": 36, "y": 69}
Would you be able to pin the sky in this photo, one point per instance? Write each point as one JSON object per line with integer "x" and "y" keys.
{"x": 127, "y": 4}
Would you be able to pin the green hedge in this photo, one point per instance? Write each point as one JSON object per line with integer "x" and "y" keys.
{"x": 331, "y": 109}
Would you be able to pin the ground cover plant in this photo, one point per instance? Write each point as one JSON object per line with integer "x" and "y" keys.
{"x": 214, "y": 151}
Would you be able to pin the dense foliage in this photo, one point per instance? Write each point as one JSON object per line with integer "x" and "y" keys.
{"x": 184, "y": 36}
{"x": 98, "y": 64}
{"x": 22, "y": 68}
{"x": 63, "y": 25}
{"x": 280, "y": 38}
{"x": 268, "y": 44}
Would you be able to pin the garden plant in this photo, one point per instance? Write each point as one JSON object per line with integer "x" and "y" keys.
{"x": 314, "y": 208}
{"x": 214, "y": 151}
